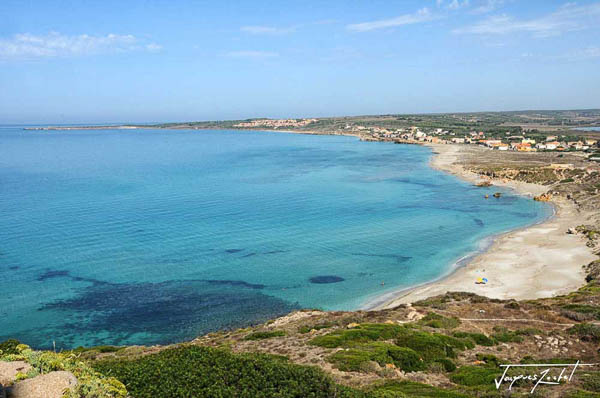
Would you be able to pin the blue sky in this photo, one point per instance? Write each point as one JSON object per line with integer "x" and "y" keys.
{"x": 135, "y": 61}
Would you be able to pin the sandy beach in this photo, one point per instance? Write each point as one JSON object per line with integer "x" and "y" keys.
{"x": 534, "y": 262}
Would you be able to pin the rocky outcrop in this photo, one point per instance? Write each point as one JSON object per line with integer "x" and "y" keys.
{"x": 49, "y": 385}
{"x": 9, "y": 371}
{"x": 545, "y": 197}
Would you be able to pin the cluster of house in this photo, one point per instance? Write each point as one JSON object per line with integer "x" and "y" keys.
{"x": 408, "y": 134}
{"x": 510, "y": 142}
{"x": 523, "y": 144}
{"x": 275, "y": 123}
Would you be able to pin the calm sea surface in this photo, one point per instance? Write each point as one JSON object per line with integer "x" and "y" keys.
{"x": 155, "y": 236}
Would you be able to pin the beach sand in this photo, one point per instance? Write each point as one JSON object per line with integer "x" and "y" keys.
{"x": 534, "y": 262}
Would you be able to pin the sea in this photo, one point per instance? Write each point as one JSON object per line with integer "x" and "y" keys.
{"x": 154, "y": 236}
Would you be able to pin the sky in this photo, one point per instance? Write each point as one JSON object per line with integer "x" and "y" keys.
{"x": 159, "y": 61}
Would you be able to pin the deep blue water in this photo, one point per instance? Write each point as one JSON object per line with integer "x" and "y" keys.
{"x": 155, "y": 236}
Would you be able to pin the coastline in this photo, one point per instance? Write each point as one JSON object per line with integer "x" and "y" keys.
{"x": 536, "y": 261}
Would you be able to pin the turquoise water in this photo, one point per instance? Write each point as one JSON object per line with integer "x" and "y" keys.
{"x": 155, "y": 236}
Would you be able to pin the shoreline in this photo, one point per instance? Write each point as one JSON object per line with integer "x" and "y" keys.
{"x": 535, "y": 261}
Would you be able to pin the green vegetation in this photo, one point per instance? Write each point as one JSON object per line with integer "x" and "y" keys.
{"x": 581, "y": 312}
{"x": 409, "y": 389}
{"x": 478, "y": 338}
{"x": 476, "y": 375}
{"x": 504, "y": 335}
{"x": 192, "y": 371}
{"x": 364, "y": 333}
{"x": 90, "y": 383}
{"x": 357, "y": 359}
{"x": 437, "y": 321}
{"x": 432, "y": 346}
{"x": 99, "y": 349}
{"x": 320, "y": 326}
{"x": 591, "y": 381}
{"x": 586, "y": 332}
{"x": 582, "y": 394}
{"x": 264, "y": 335}
{"x": 413, "y": 349}
{"x": 9, "y": 347}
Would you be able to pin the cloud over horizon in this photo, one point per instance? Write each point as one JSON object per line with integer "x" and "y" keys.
{"x": 54, "y": 44}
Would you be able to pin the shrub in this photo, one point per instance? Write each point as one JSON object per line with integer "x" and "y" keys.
{"x": 586, "y": 332}
{"x": 100, "y": 349}
{"x": 488, "y": 359}
{"x": 320, "y": 326}
{"x": 581, "y": 394}
{"x": 504, "y": 335}
{"x": 264, "y": 335}
{"x": 399, "y": 389}
{"x": 9, "y": 347}
{"x": 447, "y": 364}
{"x": 591, "y": 381}
{"x": 592, "y": 312}
{"x": 432, "y": 346}
{"x": 192, "y": 371}
{"x": 478, "y": 338}
{"x": 365, "y": 333}
{"x": 439, "y": 322}
{"x": 475, "y": 375}
{"x": 89, "y": 382}
{"x": 529, "y": 332}
{"x": 357, "y": 359}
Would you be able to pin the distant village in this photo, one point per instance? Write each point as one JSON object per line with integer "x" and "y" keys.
{"x": 509, "y": 141}
{"x": 275, "y": 123}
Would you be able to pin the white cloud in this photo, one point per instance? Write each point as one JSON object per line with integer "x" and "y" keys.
{"x": 487, "y": 6}
{"x": 452, "y": 4}
{"x": 456, "y": 4}
{"x": 586, "y": 53}
{"x": 568, "y": 18}
{"x": 576, "y": 55}
{"x": 266, "y": 30}
{"x": 422, "y": 15}
{"x": 251, "y": 54}
{"x": 29, "y": 46}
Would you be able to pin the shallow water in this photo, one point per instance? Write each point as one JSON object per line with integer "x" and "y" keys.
{"x": 155, "y": 236}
